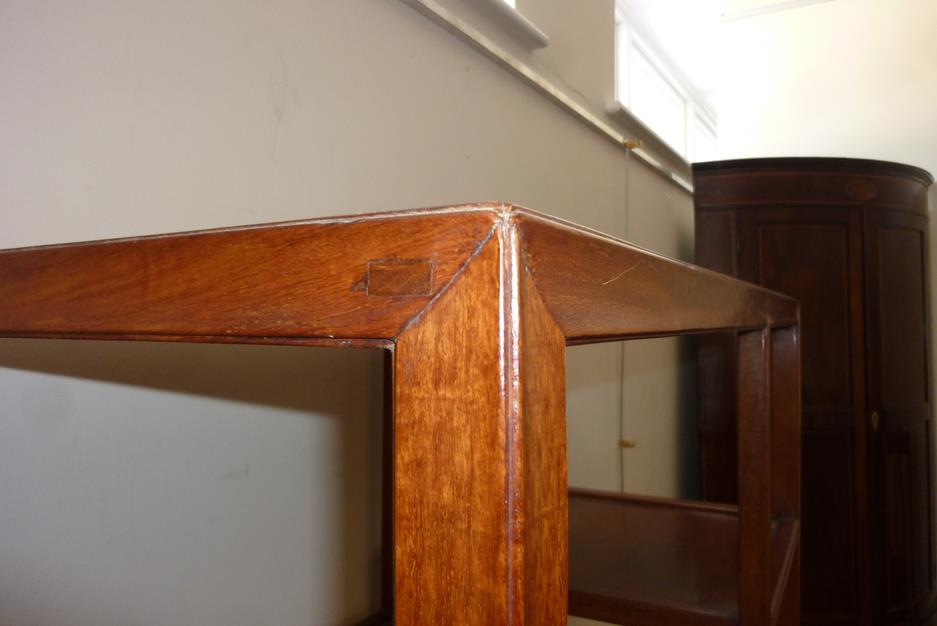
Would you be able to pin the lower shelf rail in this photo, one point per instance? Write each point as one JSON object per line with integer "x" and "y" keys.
{"x": 658, "y": 561}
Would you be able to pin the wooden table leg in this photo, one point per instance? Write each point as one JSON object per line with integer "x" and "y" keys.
{"x": 754, "y": 453}
{"x": 769, "y": 474}
{"x": 480, "y": 453}
{"x": 786, "y": 455}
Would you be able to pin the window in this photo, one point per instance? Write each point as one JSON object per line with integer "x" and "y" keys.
{"x": 655, "y": 94}
{"x": 655, "y": 100}
{"x": 703, "y": 144}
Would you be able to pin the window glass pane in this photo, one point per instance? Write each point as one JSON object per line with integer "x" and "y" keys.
{"x": 654, "y": 100}
{"x": 704, "y": 141}
{"x": 622, "y": 45}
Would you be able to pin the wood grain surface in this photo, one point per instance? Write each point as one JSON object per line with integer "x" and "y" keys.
{"x": 808, "y": 182}
{"x": 539, "y": 465}
{"x": 848, "y": 239}
{"x": 451, "y": 508}
{"x": 599, "y": 288}
{"x": 475, "y": 304}
{"x": 754, "y": 463}
{"x": 302, "y": 279}
{"x": 641, "y": 560}
{"x": 786, "y": 472}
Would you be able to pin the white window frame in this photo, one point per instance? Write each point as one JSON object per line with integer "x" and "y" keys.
{"x": 696, "y": 113}
{"x": 708, "y": 124}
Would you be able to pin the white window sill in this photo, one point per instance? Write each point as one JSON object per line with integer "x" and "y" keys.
{"x": 516, "y": 23}
{"x": 618, "y": 110}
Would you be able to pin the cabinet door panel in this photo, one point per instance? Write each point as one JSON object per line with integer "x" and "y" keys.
{"x": 816, "y": 257}
{"x": 811, "y": 263}
{"x": 716, "y": 248}
{"x": 902, "y": 313}
{"x": 830, "y": 583}
{"x": 900, "y": 397}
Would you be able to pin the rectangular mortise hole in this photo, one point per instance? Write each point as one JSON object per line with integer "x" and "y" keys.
{"x": 400, "y": 278}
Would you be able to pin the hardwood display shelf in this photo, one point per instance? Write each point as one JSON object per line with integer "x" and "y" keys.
{"x": 475, "y": 306}
{"x": 662, "y": 561}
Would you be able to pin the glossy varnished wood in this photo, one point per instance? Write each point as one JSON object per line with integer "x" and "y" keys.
{"x": 452, "y": 519}
{"x": 754, "y": 480}
{"x": 357, "y": 277}
{"x": 643, "y": 560}
{"x": 825, "y": 276}
{"x": 598, "y": 287}
{"x": 538, "y": 451}
{"x": 475, "y": 304}
{"x": 899, "y": 387}
{"x": 810, "y": 182}
{"x": 759, "y": 584}
{"x": 317, "y": 279}
{"x": 786, "y": 505}
{"x": 848, "y": 239}
{"x": 646, "y": 561}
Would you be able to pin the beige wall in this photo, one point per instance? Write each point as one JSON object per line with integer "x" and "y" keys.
{"x": 843, "y": 78}
{"x": 661, "y": 422}
{"x": 172, "y": 484}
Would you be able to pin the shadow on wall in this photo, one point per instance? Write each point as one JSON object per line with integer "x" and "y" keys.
{"x": 331, "y": 390}
{"x": 661, "y": 411}
{"x": 287, "y": 377}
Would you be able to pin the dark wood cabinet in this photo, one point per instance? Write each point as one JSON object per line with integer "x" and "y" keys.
{"x": 848, "y": 238}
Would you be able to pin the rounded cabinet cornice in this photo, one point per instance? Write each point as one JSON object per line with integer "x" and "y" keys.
{"x": 809, "y": 182}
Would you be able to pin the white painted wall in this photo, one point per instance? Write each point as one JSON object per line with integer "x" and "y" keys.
{"x": 842, "y": 78}
{"x": 168, "y": 484}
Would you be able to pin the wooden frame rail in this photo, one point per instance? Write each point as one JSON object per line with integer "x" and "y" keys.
{"x": 476, "y": 304}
